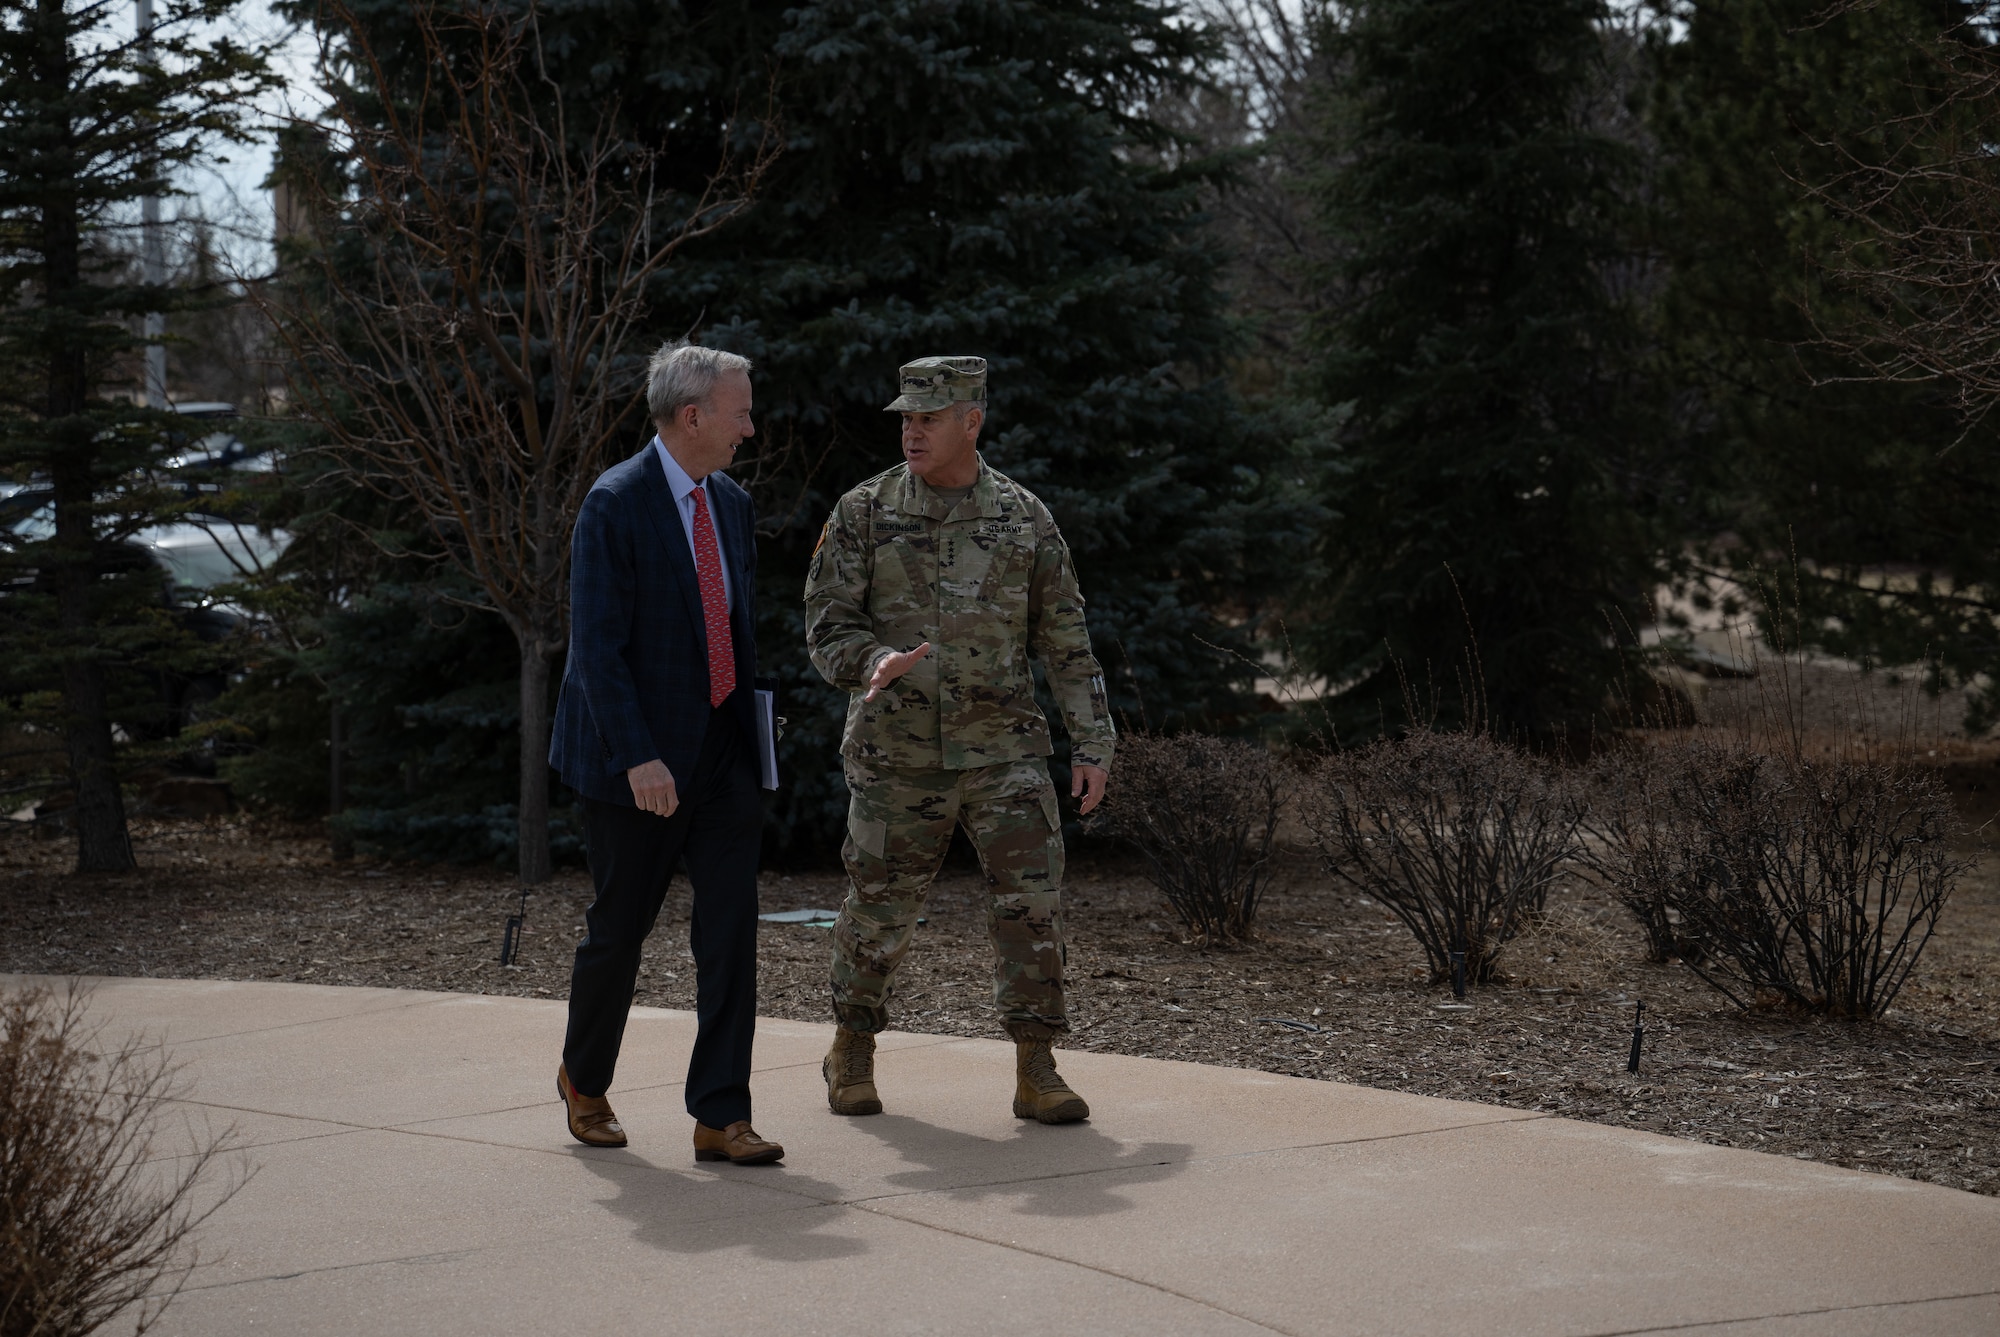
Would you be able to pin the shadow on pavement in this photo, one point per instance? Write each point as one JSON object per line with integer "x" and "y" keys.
{"x": 682, "y": 1212}
{"x": 1083, "y": 1171}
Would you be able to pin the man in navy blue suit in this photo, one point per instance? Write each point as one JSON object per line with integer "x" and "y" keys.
{"x": 656, "y": 732}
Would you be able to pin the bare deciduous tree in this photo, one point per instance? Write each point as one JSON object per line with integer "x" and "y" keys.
{"x": 461, "y": 326}
{"x": 1262, "y": 112}
{"x": 1924, "y": 257}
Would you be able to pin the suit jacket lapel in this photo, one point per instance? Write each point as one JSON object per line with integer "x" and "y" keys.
{"x": 730, "y": 516}
{"x": 729, "y": 523}
{"x": 673, "y": 536}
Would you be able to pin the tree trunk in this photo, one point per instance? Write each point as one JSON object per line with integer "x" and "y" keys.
{"x": 103, "y": 845}
{"x": 102, "y": 842}
{"x": 533, "y": 831}
{"x": 336, "y": 758}
{"x": 340, "y": 844}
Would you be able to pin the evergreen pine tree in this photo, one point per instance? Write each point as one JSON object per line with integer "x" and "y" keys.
{"x": 91, "y": 121}
{"x": 977, "y": 178}
{"x": 1486, "y": 550}
{"x": 984, "y": 178}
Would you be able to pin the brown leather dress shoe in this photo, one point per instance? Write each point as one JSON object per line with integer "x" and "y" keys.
{"x": 738, "y": 1144}
{"x": 591, "y": 1121}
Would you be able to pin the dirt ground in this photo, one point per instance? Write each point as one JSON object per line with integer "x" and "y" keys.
{"x": 1917, "y": 1095}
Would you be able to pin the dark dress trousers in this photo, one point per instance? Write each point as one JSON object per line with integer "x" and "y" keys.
{"x": 635, "y": 689}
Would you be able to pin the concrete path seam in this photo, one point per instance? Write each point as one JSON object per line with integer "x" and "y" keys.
{"x": 1792, "y": 1313}
{"x": 442, "y": 1256}
{"x": 294, "y": 1025}
{"x": 1526, "y": 1116}
{"x": 809, "y": 1204}
{"x": 1072, "y": 1262}
{"x": 244, "y": 1148}
{"x": 414, "y": 1128}
{"x": 1191, "y": 1160}
{"x": 313, "y": 1021}
{"x": 448, "y": 1255}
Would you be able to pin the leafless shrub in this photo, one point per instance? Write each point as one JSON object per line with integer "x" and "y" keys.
{"x": 1204, "y": 813}
{"x": 1806, "y": 882}
{"x": 1633, "y": 851}
{"x": 1458, "y": 834}
{"x": 91, "y": 1225}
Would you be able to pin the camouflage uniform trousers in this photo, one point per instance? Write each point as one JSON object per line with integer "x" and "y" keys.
{"x": 899, "y": 823}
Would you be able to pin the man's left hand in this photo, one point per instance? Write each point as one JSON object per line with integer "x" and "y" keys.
{"x": 1087, "y": 783}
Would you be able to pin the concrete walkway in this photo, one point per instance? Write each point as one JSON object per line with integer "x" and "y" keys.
{"x": 413, "y": 1177}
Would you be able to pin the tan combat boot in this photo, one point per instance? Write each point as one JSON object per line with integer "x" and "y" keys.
{"x": 1039, "y": 1090}
{"x": 849, "y": 1069}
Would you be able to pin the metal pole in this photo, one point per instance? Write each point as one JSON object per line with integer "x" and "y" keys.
{"x": 153, "y": 253}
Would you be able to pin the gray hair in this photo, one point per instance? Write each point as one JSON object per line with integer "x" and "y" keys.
{"x": 681, "y": 374}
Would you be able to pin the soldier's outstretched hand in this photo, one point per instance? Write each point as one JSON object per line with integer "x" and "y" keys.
{"x": 1087, "y": 783}
{"x": 893, "y": 666}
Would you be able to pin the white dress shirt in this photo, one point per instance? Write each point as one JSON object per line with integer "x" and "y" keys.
{"x": 684, "y": 490}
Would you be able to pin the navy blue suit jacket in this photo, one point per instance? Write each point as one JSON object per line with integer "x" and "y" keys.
{"x": 636, "y": 685}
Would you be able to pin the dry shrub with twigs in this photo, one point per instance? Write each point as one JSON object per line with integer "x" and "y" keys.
{"x": 1460, "y": 835}
{"x": 1806, "y": 882}
{"x": 91, "y": 1227}
{"x": 1633, "y": 850}
{"x": 1204, "y": 813}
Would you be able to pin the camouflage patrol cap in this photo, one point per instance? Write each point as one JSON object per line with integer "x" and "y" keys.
{"x": 933, "y": 383}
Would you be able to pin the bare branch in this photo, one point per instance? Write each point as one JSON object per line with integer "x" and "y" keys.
{"x": 1922, "y": 263}
{"x": 463, "y": 329}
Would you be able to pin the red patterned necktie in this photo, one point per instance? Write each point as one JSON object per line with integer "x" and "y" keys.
{"x": 714, "y": 604}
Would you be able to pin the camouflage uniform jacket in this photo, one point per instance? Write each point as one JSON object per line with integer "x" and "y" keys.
{"x": 987, "y": 583}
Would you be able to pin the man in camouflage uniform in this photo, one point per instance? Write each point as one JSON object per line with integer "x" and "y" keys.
{"x": 931, "y": 586}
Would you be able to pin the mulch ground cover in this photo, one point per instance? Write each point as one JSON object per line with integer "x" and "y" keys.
{"x": 1333, "y": 988}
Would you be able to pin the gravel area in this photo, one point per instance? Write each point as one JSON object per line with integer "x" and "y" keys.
{"x": 1917, "y": 1095}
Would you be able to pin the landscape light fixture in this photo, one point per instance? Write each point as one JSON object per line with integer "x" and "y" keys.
{"x": 510, "y": 941}
{"x": 1638, "y": 1037}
